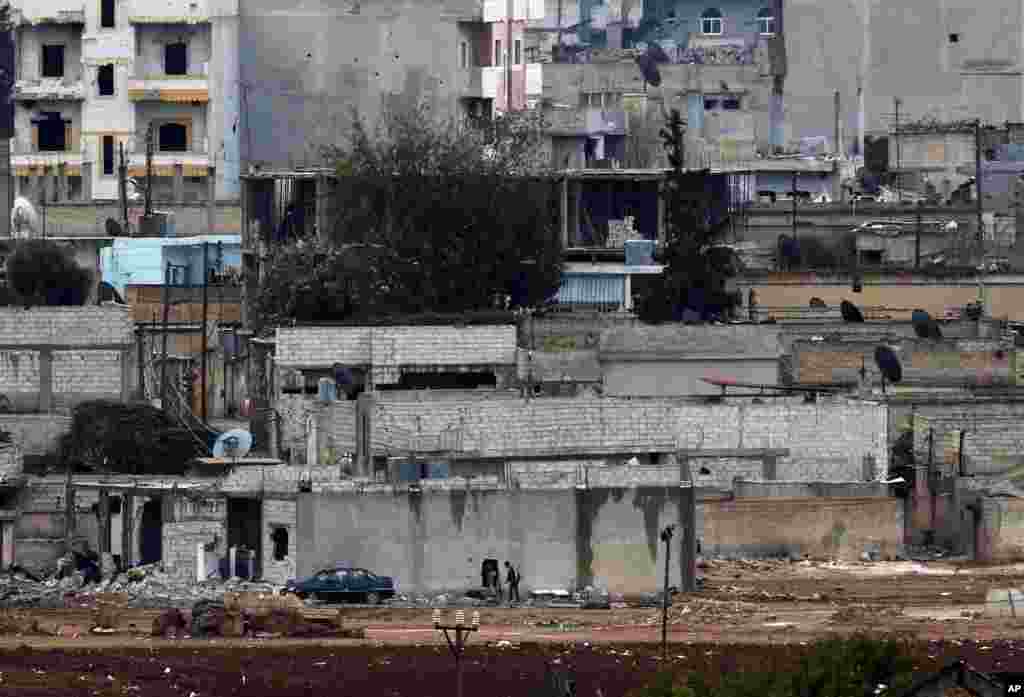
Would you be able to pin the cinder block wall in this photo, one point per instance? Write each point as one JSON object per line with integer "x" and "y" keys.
{"x": 993, "y": 440}
{"x": 194, "y": 522}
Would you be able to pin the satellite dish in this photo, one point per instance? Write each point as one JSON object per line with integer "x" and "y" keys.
{"x": 818, "y": 303}
{"x": 114, "y": 228}
{"x": 888, "y": 364}
{"x": 649, "y": 68}
{"x": 233, "y": 444}
{"x": 850, "y": 312}
{"x": 925, "y": 326}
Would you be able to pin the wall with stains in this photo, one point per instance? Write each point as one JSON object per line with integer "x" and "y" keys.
{"x": 308, "y": 65}
{"x": 567, "y": 538}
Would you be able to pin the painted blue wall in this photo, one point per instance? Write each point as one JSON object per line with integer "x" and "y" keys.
{"x": 140, "y": 261}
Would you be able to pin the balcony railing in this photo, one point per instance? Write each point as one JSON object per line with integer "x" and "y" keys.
{"x": 198, "y": 146}
{"x": 21, "y": 147}
{"x": 65, "y": 88}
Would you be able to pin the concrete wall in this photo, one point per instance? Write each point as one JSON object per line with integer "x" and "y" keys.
{"x": 335, "y": 423}
{"x": 563, "y": 539}
{"x": 194, "y": 522}
{"x": 900, "y": 51}
{"x": 837, "y": 528}
{"x": 310, "y": 66}
{"x": 279, "y": 513}
{"x": 682, "y": 378}
{"x": 992, "y": 444}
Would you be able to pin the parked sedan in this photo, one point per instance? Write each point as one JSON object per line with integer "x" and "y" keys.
{"x": 343, "y": 584}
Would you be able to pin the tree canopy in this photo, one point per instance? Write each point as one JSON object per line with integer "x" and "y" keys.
{"x": 42, "y": 273}
{"x": 432, "y": 217}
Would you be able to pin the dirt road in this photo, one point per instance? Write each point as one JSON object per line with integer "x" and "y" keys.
{"x": 749, "y": 615}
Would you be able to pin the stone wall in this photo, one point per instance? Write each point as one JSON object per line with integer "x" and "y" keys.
{"x": 336, "y": 428}
{"x": 991, "y": 427}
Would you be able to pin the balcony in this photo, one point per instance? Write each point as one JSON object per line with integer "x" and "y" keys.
{"x": 46, "y": 13}
{"x": 49, "y": 89}
{"x": 27, "y": 161}
{"x": 195, "y": 160}
{"x": 175, "y": 89}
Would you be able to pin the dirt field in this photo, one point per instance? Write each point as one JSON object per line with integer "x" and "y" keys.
{"x": 769, "y": 609}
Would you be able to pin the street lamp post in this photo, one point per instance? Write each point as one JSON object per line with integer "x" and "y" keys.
{"x": 458, "y": 647}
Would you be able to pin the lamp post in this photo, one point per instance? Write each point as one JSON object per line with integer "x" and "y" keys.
{"x": 462, "y": 632}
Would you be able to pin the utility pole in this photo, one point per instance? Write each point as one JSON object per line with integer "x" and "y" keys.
{"x": 508, "y": 56}
{"x": 666, "y": 537}
{"x": 149, "y": 171}
{"x": 688, "y": 494}
{"x": 122, "y": 175}
{"x": 163, "y": 361}
{"x": 69, "y": 510}
{"x": 917, "y": 238}
{"x": 206, "y": 297}
{"x": 838, "y": 141}
{"x": 899, "y": 159}
{"x": 977, "y": 180}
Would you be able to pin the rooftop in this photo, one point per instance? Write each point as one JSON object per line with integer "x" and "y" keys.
{"x": 691, "y": 342}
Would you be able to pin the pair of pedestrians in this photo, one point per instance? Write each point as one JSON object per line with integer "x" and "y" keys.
{"x": 511, "y": 578}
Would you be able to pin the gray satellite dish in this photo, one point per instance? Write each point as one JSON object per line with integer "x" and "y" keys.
{"x": 234, "y": 444}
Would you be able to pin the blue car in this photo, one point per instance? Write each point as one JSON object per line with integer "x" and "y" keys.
{"x": 343, "y": 584}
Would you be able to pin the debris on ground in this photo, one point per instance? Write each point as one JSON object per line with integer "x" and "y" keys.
{"x": 705, "y": 611}
{"x": 13, "y": 622}
{"x": 864, "y": 614}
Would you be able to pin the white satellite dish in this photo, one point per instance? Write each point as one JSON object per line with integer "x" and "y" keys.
{"x": 24, "y": 219}
{"x": 234, "y": 444}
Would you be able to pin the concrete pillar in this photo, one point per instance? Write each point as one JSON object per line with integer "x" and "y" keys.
{"x": 45, "y": 380}
{"x": 62, "y": 182}
{"x": 200, "y": 562}
{"x": 86, "y": 181}
{"x": 312, "y": 449}
{"x": 364, "y": 434}
{"x": 179, "y": 183}
{"x": 564, "y": 211}
{"x": 232, "y": 561}
{"x": 104, "y": 520}
{"x": 128, "y": 553}
{"x": 272, "y": 444}
{"x": 211, "y": 201}
{"x": 661, "y": 213}
{"x": 322, "y": 207}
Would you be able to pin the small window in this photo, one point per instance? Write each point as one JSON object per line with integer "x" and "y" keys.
{"x": 108, "y": 155}
{"x": 517, "y": 52}
{"x": 766, "y": 22}
{"x": 731, "y": 104}
{"x": 105, "y": 80}
{"x": 463, "y": 55}
{"x": 710, "y": 104}
{"x": 711, "y": 22}
{"x": 280, "y": 540}
{"x": 173, "y": 137}
{"x": 498, "y": 58}
{"x": 176, "y": 59}
{"x": 53, "y": 60}
{"x": 52, "y": 132}
{"x": 107, "y": 14}
{"x": 954, "y": 38}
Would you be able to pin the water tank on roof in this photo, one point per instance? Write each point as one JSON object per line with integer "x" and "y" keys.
{"x": 327, "y": 390}
{"x": 639, "y": 252}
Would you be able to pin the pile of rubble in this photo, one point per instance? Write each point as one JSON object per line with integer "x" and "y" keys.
{"x": 864, "y": 614}
{"x": 707, "y": 612}
{"x": 145, "y": 587}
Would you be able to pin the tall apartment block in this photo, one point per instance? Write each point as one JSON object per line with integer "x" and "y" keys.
{"x": 92, "y": 76}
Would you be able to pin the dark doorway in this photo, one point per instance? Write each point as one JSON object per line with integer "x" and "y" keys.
{"x": 52, "y": 132}
{"x": 108, "y": 155}
{"x": 173, "y": 137}
{"x": 245, "y": 524}
{"x": 151, "y": 543}
{"x": 107, "y": 15}
{"x": 176, "y": 58}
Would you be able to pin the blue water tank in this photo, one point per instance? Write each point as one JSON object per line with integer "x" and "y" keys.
{"x": 639, "y": 252}
{"x": 327, "y": 390}
{"x": 438, "y": 470}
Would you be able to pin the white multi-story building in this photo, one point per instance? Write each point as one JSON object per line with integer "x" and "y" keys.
{"x": 95, "y": 76}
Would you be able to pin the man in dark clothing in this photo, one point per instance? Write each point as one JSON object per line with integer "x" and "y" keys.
{"x": 512, "y": 578}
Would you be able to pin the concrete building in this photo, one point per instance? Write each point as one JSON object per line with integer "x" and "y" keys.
{"x": 93, "y": 77}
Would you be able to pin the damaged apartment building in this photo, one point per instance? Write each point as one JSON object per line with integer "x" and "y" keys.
{"x": 92, "y": 78}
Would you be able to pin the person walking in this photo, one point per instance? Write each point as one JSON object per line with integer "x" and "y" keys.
{"x": 512, "y": 578}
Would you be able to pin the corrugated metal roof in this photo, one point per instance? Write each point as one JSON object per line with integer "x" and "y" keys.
{"x": 592, "y": 289}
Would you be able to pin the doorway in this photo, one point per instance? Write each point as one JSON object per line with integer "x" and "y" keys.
{"x": 151, "y": 525}
{"x": 245, "y": 526}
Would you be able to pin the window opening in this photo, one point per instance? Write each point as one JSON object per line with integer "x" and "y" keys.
{"x": 497, "y": 53}
{"x": 53, "y": 60}
{"x": 766, "y": 22}
{"x": 52, "y": 132}
{"x": 731, "y": 104}
{"x": 710, "y": 104}
{"x": 711, "y": 21}
{"x": 518, "y": 52}
{"x": 176, "y": 58}
{"x": 105, "y": 80}
{"x": 954, "y": 38}
{"x": 280, "y": 539}
{"x": 463, "y": 55}
{"x": 107, "y": 14}
{"x": 173, "y": 137}
{"x": 108, "y": 155}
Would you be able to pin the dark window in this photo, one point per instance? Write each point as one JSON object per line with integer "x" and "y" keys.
{"x": 173, "y": 137}
{"x": 105, "y": 80}
{"x": 107, "y": 14}
{"x": 108, "y": 155}
{"x": 518, "y": 52}
{"x": 176, "y": 59}
{"x": 52, "y": 136}
{"x": 730, "y": 104}
{"x": 280, "y": 539}
{"x": 954, "y": 38}
{"x": 710, "y": 104}
{"x": 53, "y": 61}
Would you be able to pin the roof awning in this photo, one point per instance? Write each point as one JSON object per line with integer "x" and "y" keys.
{"x": 592, "y": 289}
